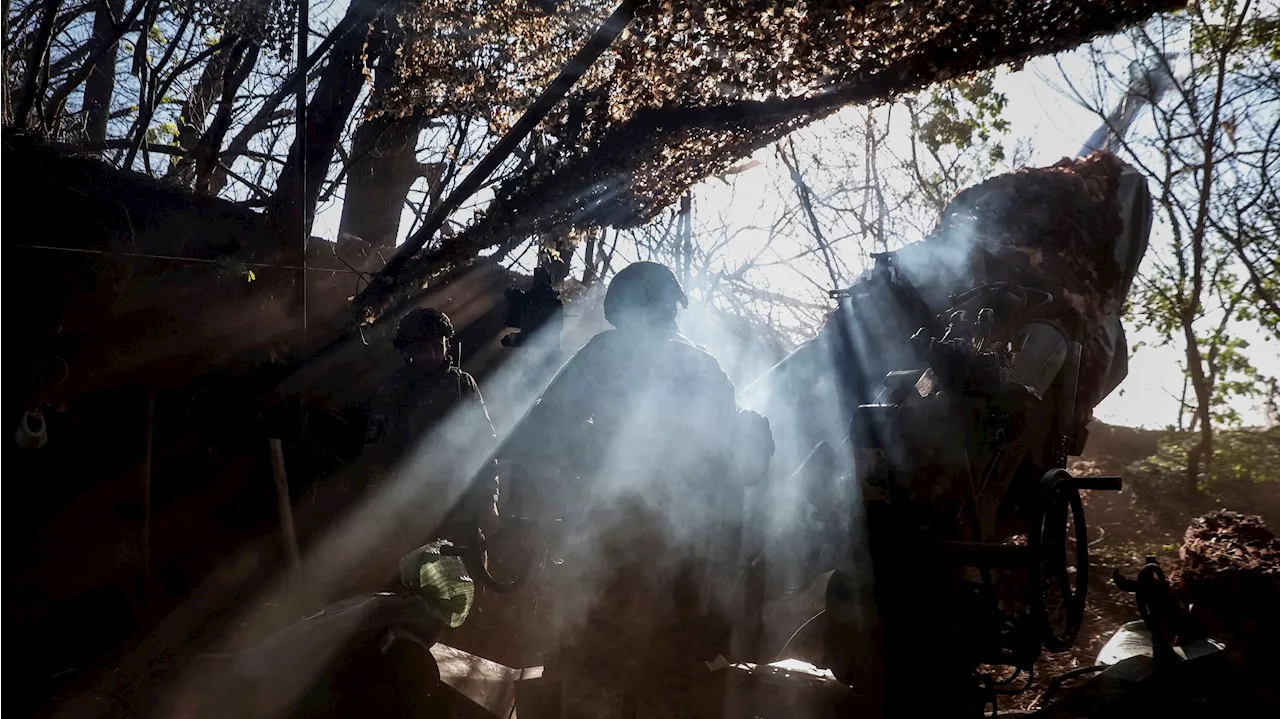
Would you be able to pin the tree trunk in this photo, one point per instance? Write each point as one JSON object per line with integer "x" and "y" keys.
{"x": 149, "y": 16}
{"x": 383, "y": 167}
{"x": 327, "y": 114}
{"x": 1200, "y": 458}
{"x": 101, "y": 83}
{"x": 5, "y": 116}
{"x": 589, "y": 260}
{"x": 195, "y": 110}
{"x": 270, "y": 110}
{"x": 242, "y": 56}
{"x": 27, "y": 45}
{"x": 556, "y": 256}
{"x": 59, "y": 96}
{"x": 383, "y": 164}
{"x": 37, "y": 63}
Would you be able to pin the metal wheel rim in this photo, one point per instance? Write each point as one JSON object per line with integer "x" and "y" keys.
{"x": 1061, "y": 600}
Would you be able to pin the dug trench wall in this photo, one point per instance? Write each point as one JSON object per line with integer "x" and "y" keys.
{"x": 139, "y": 313}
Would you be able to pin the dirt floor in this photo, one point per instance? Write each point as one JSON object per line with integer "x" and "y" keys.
{"x": 1125, "y": 528}
{"x": 1106, "y": 607}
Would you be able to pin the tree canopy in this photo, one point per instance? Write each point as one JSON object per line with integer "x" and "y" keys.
{"x": 694, "y": 87}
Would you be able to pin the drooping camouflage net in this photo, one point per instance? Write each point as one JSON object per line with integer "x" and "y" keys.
{"x": 1062, "y": 221}
{"x": 271, "y": 23}
{"x": 1051, "y": 227}
{"x": 1055, "y": 228}
{"x": 695, "y": 86}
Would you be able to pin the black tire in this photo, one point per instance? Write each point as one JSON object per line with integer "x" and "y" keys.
{"x": 1060, "y": 593}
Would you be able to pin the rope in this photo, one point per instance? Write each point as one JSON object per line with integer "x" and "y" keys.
{"x": 179, "y": 258}
{"x": 1064, "y": 678}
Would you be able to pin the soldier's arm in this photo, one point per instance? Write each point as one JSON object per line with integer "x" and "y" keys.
{"x": 747, "y": 443}
{"x": 563, "y": 406}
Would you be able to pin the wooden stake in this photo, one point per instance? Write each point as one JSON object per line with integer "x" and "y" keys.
{"x": 146, "y": 500}
{"x": 285, "y": 506}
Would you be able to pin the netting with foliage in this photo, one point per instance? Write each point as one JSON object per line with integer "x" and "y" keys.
{"x": 693, "y": 87}
{"x": 271, "y": 23}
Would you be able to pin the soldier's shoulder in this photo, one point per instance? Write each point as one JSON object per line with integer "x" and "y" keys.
{"x": 701, "y": 348}
{"x": 688, "y": 346}
{"x": 696, "y": 355}
{"x": 603, "y": 337}
{"x": 602, "y": 343}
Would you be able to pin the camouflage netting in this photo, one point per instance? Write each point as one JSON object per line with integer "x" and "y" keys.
{"x": 268, "y": 22}
{"x": 695, "y": 86}
{"x": 1230, "y": 563}
{"x": 1053, "y": 228}
{"x": 1227, "y": 546}
{"x": 1062, "y": 221}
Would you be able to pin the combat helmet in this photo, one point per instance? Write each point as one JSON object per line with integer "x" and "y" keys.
{"x": 422, "y": 324}
{"x": 643, "y": 288}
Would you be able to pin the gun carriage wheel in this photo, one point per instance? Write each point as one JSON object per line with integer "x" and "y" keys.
{"x": 1060, "y": 574}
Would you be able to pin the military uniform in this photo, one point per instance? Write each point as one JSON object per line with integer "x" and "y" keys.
{"x": 415, "y": 411}
{"x": 656, "y": 456}
{"x": 412, "y": 401}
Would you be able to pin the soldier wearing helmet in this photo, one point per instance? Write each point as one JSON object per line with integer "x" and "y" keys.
{"x": 640, "y": 440}
{"x": 428, "y": 405}
{"x": 644, "y": 296}
{"x": 422, "y": 338}
{"x": 427, "y": 387}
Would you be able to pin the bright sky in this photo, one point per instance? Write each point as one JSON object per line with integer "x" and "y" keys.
{"x": 1055, "y": 127}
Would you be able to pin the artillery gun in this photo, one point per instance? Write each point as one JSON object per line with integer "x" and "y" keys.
{"x": 964, "y": 369}
{"x": 968, "y": 533}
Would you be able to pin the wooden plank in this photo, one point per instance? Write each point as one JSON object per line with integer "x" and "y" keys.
{"x": 489, "y": 684}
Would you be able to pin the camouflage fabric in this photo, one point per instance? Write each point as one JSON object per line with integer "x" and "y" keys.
{"x": 1082, "y": 226}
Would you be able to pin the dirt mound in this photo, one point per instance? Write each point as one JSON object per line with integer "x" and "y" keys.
{"x": 1112, "y": 448}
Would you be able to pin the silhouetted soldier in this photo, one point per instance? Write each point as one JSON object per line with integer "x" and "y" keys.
{"x": 640, "y": 441}
{"x": 426, "y": 389}
{"x": 427, "y": 425}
